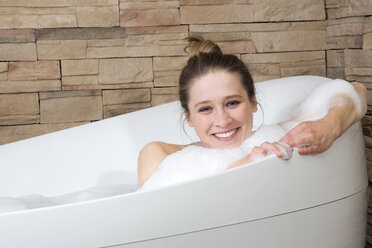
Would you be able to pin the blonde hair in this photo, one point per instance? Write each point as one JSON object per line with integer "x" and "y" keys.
{"x": 197, "y": 45}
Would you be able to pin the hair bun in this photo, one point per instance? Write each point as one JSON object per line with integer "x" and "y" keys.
{"x": 198, "y": 45}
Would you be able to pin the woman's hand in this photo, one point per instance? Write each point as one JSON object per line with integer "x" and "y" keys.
{"x": 312, "y": 137}
{"x": 280, "y": 149}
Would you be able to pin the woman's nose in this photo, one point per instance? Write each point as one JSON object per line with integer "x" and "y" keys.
{"x": 223, "y": 118}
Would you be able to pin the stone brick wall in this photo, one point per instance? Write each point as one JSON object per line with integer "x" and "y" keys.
{"x": 349, "y": 56}
{"x": 65, "y": 63}
{"x": 68, "y": 62}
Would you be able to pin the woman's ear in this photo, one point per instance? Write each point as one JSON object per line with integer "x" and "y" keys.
{"x": 254, "y": 104}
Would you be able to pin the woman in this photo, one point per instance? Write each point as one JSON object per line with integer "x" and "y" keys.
{"x": 218, "y": 98}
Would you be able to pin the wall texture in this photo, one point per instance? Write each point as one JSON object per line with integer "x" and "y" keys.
{"x": 68, "y": 62}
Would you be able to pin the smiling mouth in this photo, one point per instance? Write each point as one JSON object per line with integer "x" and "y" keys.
{"x": 226, "y": 135}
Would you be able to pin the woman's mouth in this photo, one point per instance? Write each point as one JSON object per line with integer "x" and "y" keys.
{"x": 226, "y": 135}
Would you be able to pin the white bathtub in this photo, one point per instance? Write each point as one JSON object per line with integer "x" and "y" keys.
{"x": 308, "y": 201}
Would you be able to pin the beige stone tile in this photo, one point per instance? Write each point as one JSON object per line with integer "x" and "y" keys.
{"x": 114, "y": 110}
{"x": 358, "y": 58}
{"x": 128, "y": 70}
{"x": 68, "y": 94}
{"x": 162, "y": 99}
{"x": 288, "y": 57}
{"x": 367, "y": 28}
{"x": 351, "y": 8}
{"x": 335, "y": 58}
{"x": 80, "y": 33}
{"x": 287, "y": 10}
{"x": 336, "y": 73}
{"x": 79, "y": 67}
{"x": 29, "y": 11}
{"x": 166, "y": 78}
{"x": 319, "y": 70}
{"x": 18, "y": 52}
{"x": 97, "y": 16}
{"x": 359, "y": 71}
{"x": 164, "y": 91}
{"x": 216, "y": 14}
{"x": 37, "y": 70}
{"x": 19, "y": 119}
{"x": 365, "y": 80}
{"x": 30, "y": 86}
{"x": 171, "y": 44}
{"x": 157, "y": 30}
{"x": 267, "y": 70}
{"x": 37, "y": 21}
{"x": 109, "y": 86}
{"x": 149, "y": 5}
{"x": 236, "y": 47}
{"x": 260, "y": 11}
{"x": 237, "y": 30}
{"x": 71, "y": 109}
{"x": 3, "y": 76}
{"x": 276, "y": 65}
{"x": 208, "y": 2}
{"x": 61, "y": 49}
{"x": 345, "y": 27}
{"x": 367, "y": 41}
{"x": 163, "y": 95}
{"x": 59, "y": 3}
{"x": 149, "y": 17}
{"x": 80, "y": 80}
{"x": 106, "y": 43}
{"x": 3, "y": 67}
{"x": 332, "y": 4}
{"x": 345, "y": 42}
{"x": 10, "y": 134}
{"x": 289, "y": 41}
{"x": 17, "y": 35}
{"x": 169, "y": 63}
{"x": 225, "y": 35}
{"x": 19, "y": 104}
{"x": 112, "y": 97}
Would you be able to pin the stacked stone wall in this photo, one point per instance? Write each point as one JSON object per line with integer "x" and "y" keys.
{"x": 69, "y": 62}
{"x": 66, "y": 63}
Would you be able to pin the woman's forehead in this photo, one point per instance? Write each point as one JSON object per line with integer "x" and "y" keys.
{"x": 216, "y": 85}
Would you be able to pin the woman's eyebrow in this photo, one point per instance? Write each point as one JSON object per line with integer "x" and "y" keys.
{"x": 227, "y": 97}
{"x": 202, "y": 102}
{"x": 233, "y": 96}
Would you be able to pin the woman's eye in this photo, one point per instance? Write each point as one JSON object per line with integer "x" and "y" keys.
{"x": 205, "y": 109}
{"x": 232, "y": 103}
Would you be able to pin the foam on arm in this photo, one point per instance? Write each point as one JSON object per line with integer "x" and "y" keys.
{"x": 335, "y": 93}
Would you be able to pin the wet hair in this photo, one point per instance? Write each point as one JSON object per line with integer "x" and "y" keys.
{"x": 205, "y": 56}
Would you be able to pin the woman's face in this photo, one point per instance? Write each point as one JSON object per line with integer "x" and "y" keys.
{"x": 220, "y": 110}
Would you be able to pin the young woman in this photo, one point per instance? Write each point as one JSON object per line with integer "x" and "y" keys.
{"x": 217, "y": 95}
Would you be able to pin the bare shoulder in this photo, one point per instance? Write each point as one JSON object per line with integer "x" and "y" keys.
{"x": 150, "y": 157}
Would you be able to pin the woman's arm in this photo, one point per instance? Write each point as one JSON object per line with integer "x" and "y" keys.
{"x": 151, "y": 156}
{"x": 317, "y": 136}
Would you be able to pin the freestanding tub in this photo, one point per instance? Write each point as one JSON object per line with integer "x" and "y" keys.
{"x": 308, "y": 201}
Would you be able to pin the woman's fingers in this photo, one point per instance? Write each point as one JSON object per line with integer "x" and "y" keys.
{"x": 280, "y": 149}
{"x": 302, "y": 135}
{"x": 285, "y": 149}
{"x": 272, "y": 148}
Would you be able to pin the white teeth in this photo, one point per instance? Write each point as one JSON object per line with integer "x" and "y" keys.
{"x": 225, "y": 135}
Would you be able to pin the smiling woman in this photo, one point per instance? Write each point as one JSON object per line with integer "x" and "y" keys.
{"x": 218, "y": 99}
{"x": 222, "y": 117}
